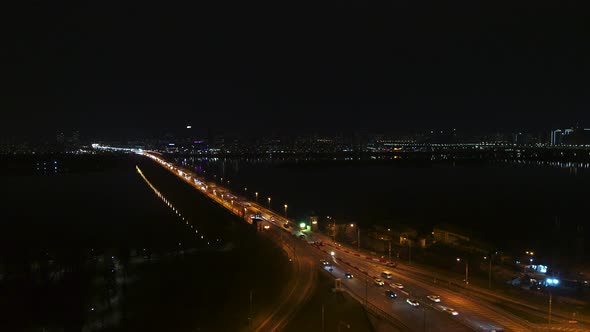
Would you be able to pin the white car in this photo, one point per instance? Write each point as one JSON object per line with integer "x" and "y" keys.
{"x": 434, "y": 298}
{"x": 413, "y": 302}
{"x": 451, "y": 311}
{"x": 396, "y": 285}
{"x": 379, "y": 282}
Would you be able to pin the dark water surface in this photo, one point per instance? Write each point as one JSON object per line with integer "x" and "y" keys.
{"x": 510, "y": 204}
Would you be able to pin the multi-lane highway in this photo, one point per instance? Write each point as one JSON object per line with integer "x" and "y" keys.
{"x": 454, "y": 312}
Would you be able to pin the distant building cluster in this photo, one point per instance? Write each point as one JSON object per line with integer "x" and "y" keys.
{"x": 60, "y": 143}
{"x": 571, "y": 136}
{"x": 352, "y": 142}
{"x": 361, "y": 142}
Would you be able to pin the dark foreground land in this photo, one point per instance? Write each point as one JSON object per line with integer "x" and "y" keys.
{"x": 340, "y": 311}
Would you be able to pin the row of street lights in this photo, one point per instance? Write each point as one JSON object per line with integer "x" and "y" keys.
{"x": 285, "y": 206}
{"x": 489, "y": 259}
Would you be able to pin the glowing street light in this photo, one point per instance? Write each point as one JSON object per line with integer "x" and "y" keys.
{"x": 302, "y": 225}
{"x": 285, "y": 210}
{"x": 256, "y": 194}
{"x": 269, "y": 202}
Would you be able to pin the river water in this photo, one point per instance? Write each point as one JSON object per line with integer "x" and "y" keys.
{"x": 514, "y": 205}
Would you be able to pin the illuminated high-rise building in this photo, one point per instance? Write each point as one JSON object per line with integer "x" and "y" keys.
{"x": 556, "y": 137}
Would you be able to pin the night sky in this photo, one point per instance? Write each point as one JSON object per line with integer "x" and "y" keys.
{"x": 146, "y": 67}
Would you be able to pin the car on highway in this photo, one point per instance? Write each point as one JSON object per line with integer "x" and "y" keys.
{"x": 391, "y": 264}
{"x": 379, "y": 282}
{"x": 324, "y": 262}
{"x": 434, "y": 298}
{"x": 286, "y": 225}
{"x": 450, "y": 311}
{"x": 413, "y": 302}
{"x": 396, "y": 285}
{"x": 348, "y": 275}
{"x": 386, "y": 274}
{"x": 390, "y": 294}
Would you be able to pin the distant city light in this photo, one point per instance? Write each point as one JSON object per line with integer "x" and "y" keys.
{"x": 189, "y": 127}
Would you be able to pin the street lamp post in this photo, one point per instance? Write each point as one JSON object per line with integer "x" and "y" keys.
{"x": 489, "y": 258}
{"x": 285, "y": 210}
{"x": 366, "y": 292}
{"x": 269, "y": 203}
{"x": 390, "y": 249}
{"x": 424, "y": 308}
{"x": 334, "y": 233}
{"x": 256, "y": 194}
{"x": 323, "y": 324}
{"x": 466, "y": 270}
{"x": 550, "y": 300}
{"x": 409, "y": 252}
{"x": 358, "y": 236}
{"x": 250, "y": 312}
